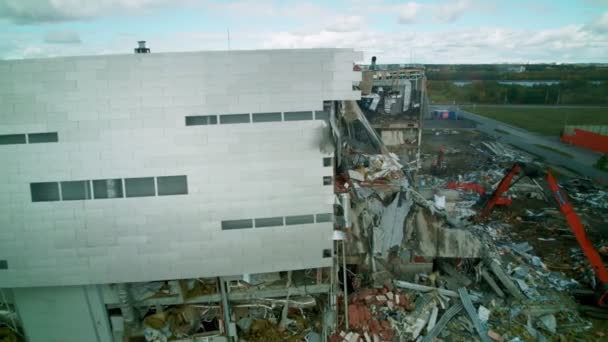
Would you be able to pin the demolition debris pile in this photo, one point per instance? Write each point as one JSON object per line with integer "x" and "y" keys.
{"x": 505, "y": 291}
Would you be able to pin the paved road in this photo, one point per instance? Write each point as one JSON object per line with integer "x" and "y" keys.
{"x": 582, "y": 160}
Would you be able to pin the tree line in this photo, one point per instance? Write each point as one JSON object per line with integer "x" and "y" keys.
{"x": 568, "y": 92}
{"x": 498, "y": 72}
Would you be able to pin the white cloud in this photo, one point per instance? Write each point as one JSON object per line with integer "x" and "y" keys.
{"x": 62, "y": 37}
{"x": 450, "y": 11}
{"x": 314, "y": 26}
{"x": 37, "y": 11}
{"x": 600, "y": 24}
{"x": 408, "y": 13}
{"x": 484, "y": 45}
{"x": 345, "y": 23}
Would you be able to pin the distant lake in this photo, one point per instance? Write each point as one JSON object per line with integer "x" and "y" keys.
{"x": 521, "y": 83}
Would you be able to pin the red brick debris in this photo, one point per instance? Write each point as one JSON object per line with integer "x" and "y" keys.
{"x": 363, "y": 325}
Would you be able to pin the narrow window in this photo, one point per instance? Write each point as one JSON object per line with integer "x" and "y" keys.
{"x": 10, "y": 139}
{"x": 237, "y": 224}
{"x": 75, "y": 190}
{"x": 140, "y": 187}
{"x": 297, "y": 116}
{"x": 266, "y": 117}
{"x": 35, "y": 138}
{"x": 328, "y": 161}
{"x": 322, "y": 115}
{"x": 327, "y": 253}
{"x": 300, "y": 219}
{"x": 234, "y": 118}
{"x": 107, "y": 188}
{"x": 172, "y": 185}
{"x": 328, "y": 217}
{"x": 43, "y": 192}
{"x": 327, "y": 180}
{"x": 196, "y": 120}
{"x": 268, "y": 222}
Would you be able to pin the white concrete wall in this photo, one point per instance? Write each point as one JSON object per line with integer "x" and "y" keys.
{"x": 123, "y": 116}
{"x": 63, "y": 314}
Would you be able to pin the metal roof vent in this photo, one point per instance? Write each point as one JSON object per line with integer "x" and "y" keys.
{"x": 141, "y": 47}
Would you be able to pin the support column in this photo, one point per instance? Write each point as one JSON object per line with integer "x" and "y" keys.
{"x": 226, "y": 311}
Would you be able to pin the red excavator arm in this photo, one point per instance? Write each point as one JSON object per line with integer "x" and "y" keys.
{"x": 581, "y": 236}
{"x": 503, "y": 186}
{"x": 571, "y": 217}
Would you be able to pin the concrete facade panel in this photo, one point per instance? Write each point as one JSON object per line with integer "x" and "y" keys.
{"x": 124, "y": 117}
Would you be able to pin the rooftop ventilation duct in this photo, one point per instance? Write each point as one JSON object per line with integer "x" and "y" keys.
{"x": 141, "y": 47}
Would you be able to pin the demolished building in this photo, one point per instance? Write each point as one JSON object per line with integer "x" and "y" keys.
{"x": 250, "y": 195}
{"x": 394, "y": 100}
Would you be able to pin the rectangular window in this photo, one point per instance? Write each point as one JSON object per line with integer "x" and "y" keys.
{"x": 140, "y": 187}
{"x": 10, "y": 139}
{"x": 201, "y": 120}
{"x": 75, "y": 190}
{"x": 3, "y": 265}
{"x": 43, "y": 192}
{"x": 327, "y": 180}
{"x": 237, "y": 224}
{"x": 268, "y": 222}
{"x": 328, "y": 217}
{"x": 327, "y": 253}
{"x": 322, "y": 115}
{"x": 234, "y": 118}
{"x": 107, "y": 188}
{"x": 172, "y": 185}
{"x": 35, "y": 138}
{"x": 266, "y": 117}
{"x": 298, "y": 116}
{"x": 300, "y": 219}
{"x": 327, "y": 161}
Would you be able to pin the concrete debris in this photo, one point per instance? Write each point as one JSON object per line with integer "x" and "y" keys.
{"x": 420, "y": 238}
{"x": 470, "y": 309}
{"x": 423, "y": 288}
{"x": 440, "y": 202}
{"x": 389, "y": 230}
{"x": 549, "y": 322}
{"x": 443, "y": 321}
{"x": 488, "y": 278}
{"x": 432, "y": 319}
{"x": 495, "y": 336}
{"x": 505, "y": 279}
{"x": 483, "y": 313}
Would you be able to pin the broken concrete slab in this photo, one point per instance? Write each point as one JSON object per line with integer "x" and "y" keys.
{"x": 470, "y": 309}
{"x": 426, "y": 235}
{"x": 443, "y": 321}
{"x": 505, "y": 279}
{"x": 488, "y": 278}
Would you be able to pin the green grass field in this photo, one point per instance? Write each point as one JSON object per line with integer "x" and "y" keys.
{"x": 547, "y": 121}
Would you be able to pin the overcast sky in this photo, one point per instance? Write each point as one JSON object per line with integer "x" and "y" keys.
{"x": 444, "y": 31}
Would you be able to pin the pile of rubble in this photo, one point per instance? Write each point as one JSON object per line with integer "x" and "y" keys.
{"x": 449, "y": 274}
{"x": 371, "y": 313}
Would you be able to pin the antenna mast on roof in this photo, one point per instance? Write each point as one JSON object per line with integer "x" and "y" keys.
{"x": 228, "y": 31}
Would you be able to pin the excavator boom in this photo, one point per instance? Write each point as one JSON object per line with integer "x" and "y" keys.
{"x": 573, "y": 221}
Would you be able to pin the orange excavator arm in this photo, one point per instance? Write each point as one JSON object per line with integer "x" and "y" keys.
{"x": 571, "y": 217}
{"x": 502, "y": 187}
{"x": 581, "y": 235}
